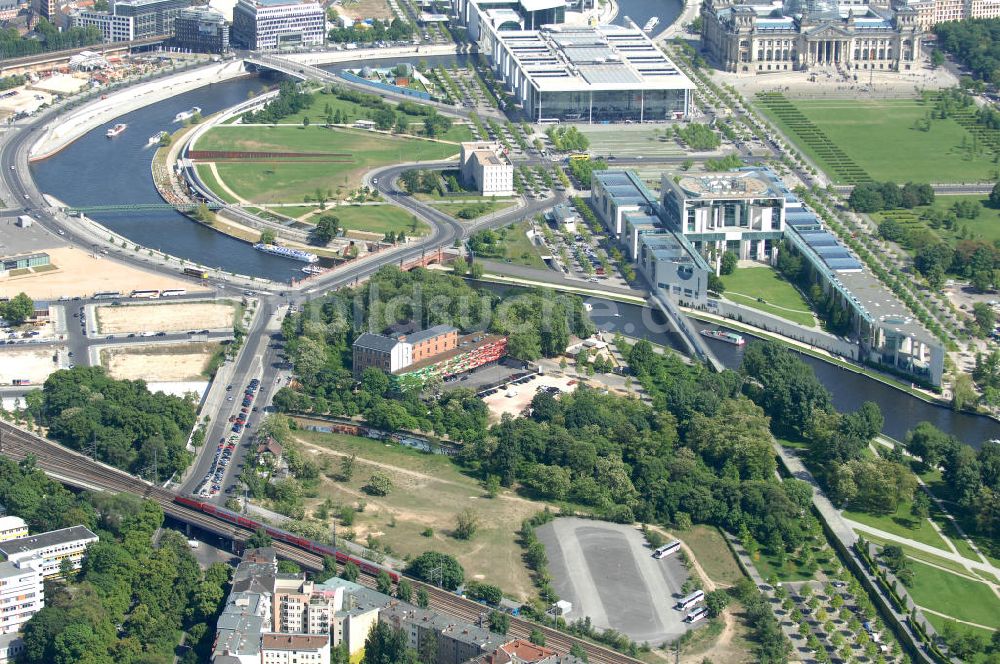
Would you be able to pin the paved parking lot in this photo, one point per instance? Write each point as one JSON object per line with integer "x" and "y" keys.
{"x": 608, "y": 572}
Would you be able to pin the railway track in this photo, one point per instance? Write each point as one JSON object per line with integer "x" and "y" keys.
{"x": 81, "y": 471}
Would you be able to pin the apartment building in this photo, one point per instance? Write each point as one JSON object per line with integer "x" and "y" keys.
{"x": 51, "y": 548}
{"x": 12, "y": 527}
{"x": 22, "y": 594}
{"x": 201, "y": 30}
{"x": 295, "y": 649}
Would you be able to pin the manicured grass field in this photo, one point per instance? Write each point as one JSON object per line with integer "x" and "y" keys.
{"x": 953, "y": 595}
{"x": 747, "y": 284}
{"x": 294, "y": 211}
{"x": 919, "y": 555}
{"x": 713, "y": 554}
{"x": 208, "y": 178}
{"x": 378, "y": 219}
{"x": 938, "y": 622}
{"x": 288, "y": 181}
{"x": 453, "y": 209}
{"x": 428, "y": 492}
{"x": 875, "y": 134}
{"x": 901, "y": 523}
{"x": 985, "y": 227}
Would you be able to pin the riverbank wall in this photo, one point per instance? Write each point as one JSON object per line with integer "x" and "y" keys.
{"x": 69, "y": 126}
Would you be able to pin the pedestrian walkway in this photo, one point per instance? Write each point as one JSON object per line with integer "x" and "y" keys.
{"x": 920, "y": 546}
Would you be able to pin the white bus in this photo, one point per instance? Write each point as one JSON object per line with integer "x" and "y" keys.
{"x": 148, "y": 294}
{"x": 667, "y": 549}
{"x": 173, "y": 292}
{"x": 107, "y": 295}
{"x": 687, "y": 602}
{"x": 698, "y": 614}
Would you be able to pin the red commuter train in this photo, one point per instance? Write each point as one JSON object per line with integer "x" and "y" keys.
{"x": 343, "y": 558}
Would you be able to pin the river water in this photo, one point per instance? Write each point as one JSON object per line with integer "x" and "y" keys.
{"x": 97, "y": 171}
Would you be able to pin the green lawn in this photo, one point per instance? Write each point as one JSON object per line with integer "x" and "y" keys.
{"x": 208, "y": 179}
{"x": 953, "y": 595}
{"x": 294, "y": 211}
{"x": 288, "y": 181}
{"x": 875, "y": 133}
{"x": 519, "y": 249}
{"x": 378, "y": 219}
{"x": 920, "y": 555}
{"x": 488, "y": 207}
{"x": 747, "y": 284}
{"x": 938, "y": 622}
{"x": 901, "y": 523}
{"x": 985, "y": 227}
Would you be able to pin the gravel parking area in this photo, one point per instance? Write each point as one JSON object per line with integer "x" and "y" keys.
{"x": 608, "y": 572}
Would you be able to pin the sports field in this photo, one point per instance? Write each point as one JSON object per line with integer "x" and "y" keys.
{"x": 745, "y": 285}
{"x": 854, "y": 140}
{"x": 348, "y": 154}
{"x": 631, "y": 142}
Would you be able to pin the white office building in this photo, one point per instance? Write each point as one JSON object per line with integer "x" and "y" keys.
{"x": 21, "y": 594}
{"x": 487, "y": 168}
{"x": 50, "y": 548}
{"x": 114, "y": 28}
{"x": 12, "y": 527}
{"x": 271, "y": 24}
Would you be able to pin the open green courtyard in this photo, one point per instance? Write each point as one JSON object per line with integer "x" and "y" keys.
{"x": 342, "y": 156}
{"x": 748, "y": 286}
{"x": 854, "y": 140}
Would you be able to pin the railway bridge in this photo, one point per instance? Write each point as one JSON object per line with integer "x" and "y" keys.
{"x": 79, "y": 471}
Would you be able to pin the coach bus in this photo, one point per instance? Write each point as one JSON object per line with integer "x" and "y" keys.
{"x": 21, "y": 381}
{"x": 698, "y": 614}
{"x": 148, "y": 294}
{"x": 196, "y": 272}
{"x": 667, "y": 549}
{"x": 107, "y": 295}
{"x": 688, "y": 601}
{"x": 173, "y": 292}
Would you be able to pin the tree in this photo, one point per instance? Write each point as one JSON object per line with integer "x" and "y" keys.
{"x": 326, "y": 229}
{"x": 641, "y": 357}
{"x": 305, "y": 121}
{"x": 386, "y": 645}
{"x": 715, "y": 284}
{"x": 476, "y": 270}
{"x": 493, "y": 484}
{"x": 259, "y": 539}
{"x": 499, "y": 622}
{"x": 716, "y": 601}
{"x": 383, "y": 583}
{"x": 404, "y": 590}
{"x": 576, "y": 650}
{"x": 537, "y": 637}
{"x": 728, "y": 262}
{"x": 379, "y": 484}
{"x": 985, "y": 319}
{"x": 937, "y": 58}
{"x": 994, "y": 198}
{"x": 460, "y": 265}
{"x": 267, "y": 236}
{"x": 347, "y": 465}
{"x": 350, "y": 572}
{"x": 438, "y": 569}
{"x": 374, "y": 381}
{"x": 921, "y": 507}
{"x": 18, "y": 309}
{"x": 423, "y": 599}
{"x": 467, "y": 522}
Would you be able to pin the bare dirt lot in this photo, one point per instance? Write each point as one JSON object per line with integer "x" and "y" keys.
{"x": 162, "y": 362}
{"x": 419, "y": 514}
{"x": 81, "y": 274}
{"x": 176, "y": 317}
{"x": 361, "y": 9}
{"x": 35, "y": 364}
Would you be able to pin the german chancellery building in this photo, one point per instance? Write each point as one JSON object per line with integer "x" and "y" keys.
{"x": 760, "y": 37}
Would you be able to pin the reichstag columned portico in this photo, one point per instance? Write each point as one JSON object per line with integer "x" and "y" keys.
{"x": 769, "y": 37}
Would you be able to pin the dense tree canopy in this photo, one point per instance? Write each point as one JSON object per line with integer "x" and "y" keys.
{"x": 127, "y": 425}
{"x": 975, "y": 43}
